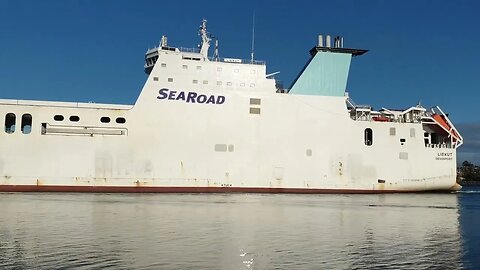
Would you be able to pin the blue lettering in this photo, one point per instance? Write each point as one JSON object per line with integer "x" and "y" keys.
{"x": 181, "y": 96}
{"x": 211, "y": 99}
{"x": 162, "y": 94}
{"x": 172, "y": 94}
{"x": 201, "y": 98}
{"x": 191, "y": 97}
{"x": 220, "y": 99}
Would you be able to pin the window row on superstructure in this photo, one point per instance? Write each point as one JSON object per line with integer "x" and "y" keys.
{"x": 11, "y": 123}
{"x": 103, "y": 119}
{"x": 219, "y": 69}
{"x": 368, "y": 135}
{"x": 219, "y": 83}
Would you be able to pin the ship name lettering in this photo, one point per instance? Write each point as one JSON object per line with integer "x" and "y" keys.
{"x": 189, "y": 97}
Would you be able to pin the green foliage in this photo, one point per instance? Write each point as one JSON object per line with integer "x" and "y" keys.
{"x": 469, "y": 172}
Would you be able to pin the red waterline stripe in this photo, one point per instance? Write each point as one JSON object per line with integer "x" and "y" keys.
{"x": 144, "y": 189}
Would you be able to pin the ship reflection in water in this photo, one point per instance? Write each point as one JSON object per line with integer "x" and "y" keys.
{"x": 234, "y": 231}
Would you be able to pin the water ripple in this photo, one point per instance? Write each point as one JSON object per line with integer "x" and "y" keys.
{"x": 230, "y": 231}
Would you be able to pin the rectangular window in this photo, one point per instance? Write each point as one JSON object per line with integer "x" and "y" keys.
{"x": 252, "y": 85}
{"x": 155, "y": 79}
{"x": 220, "y": 148}
{"x": 219, "y": 83}
{"x": 255, "y": 101}
{"x": 231, "y": 148}
{"x": 195, "y": 81}
{"x": 412, "y": 132}
{"x": 393, "y": 131}
{"x": 164, "y": 65}
{"x": 254, "y": 110}
{"x": 205, "y": 82}
{"x": 242, "y": 84}
{"x": 229, "y": 83}
{"x": 199, "y": 67}
{"x": 184, "y": 66}
{"x": 170, "y": 79}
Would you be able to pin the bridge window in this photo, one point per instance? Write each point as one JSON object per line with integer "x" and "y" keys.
{"x": 74, "y": 118}
{"x": 26, "y": 123}
{"x": 10, "y": 119}
{"x": 58, "y": 117}
{"x": 105, "y": 119}
{"x": 120, "y": 120}
{"x": 368, "y": 136}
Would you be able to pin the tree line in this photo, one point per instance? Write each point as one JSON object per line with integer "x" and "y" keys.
{"x": 469, "y": 172}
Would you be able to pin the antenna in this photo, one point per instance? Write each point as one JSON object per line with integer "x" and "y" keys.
{"x": 253, "y": 36}
{"x": 215, "y": 54}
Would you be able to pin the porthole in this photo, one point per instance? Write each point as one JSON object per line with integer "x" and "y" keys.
{"x": 58, "y": 117}
{"x": 105, "y": 119}
{"x": 74, "y": 118}
{"x": 120, "y": 120}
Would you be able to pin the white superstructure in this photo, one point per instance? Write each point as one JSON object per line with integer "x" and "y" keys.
{"x": 216, "y": 124}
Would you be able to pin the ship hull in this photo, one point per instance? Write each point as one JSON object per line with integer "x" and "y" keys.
{"x": 220, "y": 149}
{"x": 265, "y": 190}
{"x": 230, "y": 133}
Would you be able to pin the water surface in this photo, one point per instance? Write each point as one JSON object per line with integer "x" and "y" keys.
{"x": 239, "y": 231}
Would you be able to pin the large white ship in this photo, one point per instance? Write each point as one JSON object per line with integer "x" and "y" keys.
{"x": 211, "y": 124}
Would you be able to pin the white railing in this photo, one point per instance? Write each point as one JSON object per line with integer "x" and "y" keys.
{"x": 238, "y": 61}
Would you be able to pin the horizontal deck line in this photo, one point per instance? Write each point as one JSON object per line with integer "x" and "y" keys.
{"x": 144, "y": 189}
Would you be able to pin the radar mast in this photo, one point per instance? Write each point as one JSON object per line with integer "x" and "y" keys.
{"x": 205, "y": 45}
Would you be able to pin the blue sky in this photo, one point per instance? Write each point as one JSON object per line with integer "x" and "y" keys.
{"x": 92, "y": 50}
